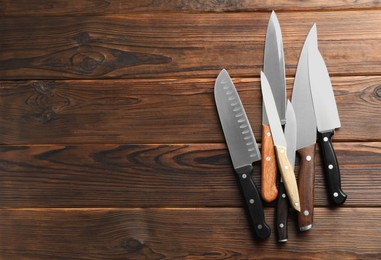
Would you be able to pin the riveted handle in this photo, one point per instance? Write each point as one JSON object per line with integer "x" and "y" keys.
{"x": 254, "y": 205}
{"x": 306, "y": 182}
{"x": 269, "y": 189}
{"x": 288, "y": 176}
{"x": 331, "y": 168}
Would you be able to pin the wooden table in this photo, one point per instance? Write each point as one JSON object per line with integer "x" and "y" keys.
{"x": 111, "y": 147}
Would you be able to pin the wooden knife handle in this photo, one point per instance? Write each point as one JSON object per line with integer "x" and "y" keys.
{"x": 282, "y": 214}
{"x": 306, "y": 182}
{"x": 288, "y": 176}
{"x": 253, "y": 203}
{"x": 269, "y": 190}
{"x": 331, "y": 168}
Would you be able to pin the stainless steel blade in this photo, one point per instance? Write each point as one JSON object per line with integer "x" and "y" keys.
{"x": 274, "y": 67}
{"x": 290, "y": 132}
{"x": 272, "y": 113}
{"x": 301, "y": 96}
{"x": 327, "y": 116}
{"x": 239, "y": 137}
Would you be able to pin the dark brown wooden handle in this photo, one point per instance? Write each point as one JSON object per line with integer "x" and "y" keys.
{"x": 269, "y": 190}
{"x": 306, "y": 182}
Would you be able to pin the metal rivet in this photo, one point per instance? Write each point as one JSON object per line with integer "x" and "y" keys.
{"x": 268, "y": 134}
{"x": 325, "y": 139}
{"x": 306, "y": 213}
{"x": 330, "y": 166}
{"x": 308, "y": 158}
{"x": 335, "y": 194}
{"x": 259, "y": 226}
{"x": 281, "y": 225}
{"x": 281, "y": 150}
{"x": 286, "y": 167}
{"x": 296, "y": 204}
{"x": 268, "y": 158}
{"x": 251, "y": 201}
{"x": 244, "y": 176}
{"x": 284, "y": 195}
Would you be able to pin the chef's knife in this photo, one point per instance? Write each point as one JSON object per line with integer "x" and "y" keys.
{"x": 306, "y": 137}
{"x": 282, "y": 201}
{"x": 242, "y": 147}
{"x": 327, "y": 119}
{"x": 280, "y": 143}
{"x": 274, "y": 69}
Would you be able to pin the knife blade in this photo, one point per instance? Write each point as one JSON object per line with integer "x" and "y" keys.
{"x": 280, "y": 144}
{"x": 282, "y": 201}
{"x": 274, "y": 68}
{"x": 327, "y": 120}
{"x": 306, "y": 137}
{"x": 242, "y": 147}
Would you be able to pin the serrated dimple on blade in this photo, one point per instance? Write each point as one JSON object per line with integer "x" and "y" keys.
{"x": 301, "y": 96}
{"x": 238, "y": 134}
{"x": 327, "y": 116}
{"x": 274, "y": 67}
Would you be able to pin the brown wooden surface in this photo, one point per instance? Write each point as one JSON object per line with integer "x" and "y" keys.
{"x": 111, "y": 146}
{"x": 157, "y": 110}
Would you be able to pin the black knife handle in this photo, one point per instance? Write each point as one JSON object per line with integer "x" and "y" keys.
{"x": 331, "y": 168}
{"x": 282, "y": 214}
{"x": 253, "y": 204}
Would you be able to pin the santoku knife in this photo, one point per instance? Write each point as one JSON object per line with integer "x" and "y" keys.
{"x": 282, "y": 201}
{"x": 280, "y": 143}
{"x": 327, "y": 119}
{"x": 306, "y": 137}
{"x": 242, "y": 147}
{"x": 274, "y": 69}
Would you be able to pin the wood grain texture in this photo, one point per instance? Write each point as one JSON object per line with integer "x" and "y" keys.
{"x": 111, "y": 7}
{"x": 157, "y": 111}
{"x": 306, "y": 186}
{"x": 181, "y": 45}
{"x": 180, "y": 233}
{"x": 194, "y": 175}
{"x": 269, "y": 170}
{"x": 288, "y": 176}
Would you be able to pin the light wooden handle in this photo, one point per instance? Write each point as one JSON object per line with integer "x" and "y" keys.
{"x": 288, "y": 176}
{"x": 269, "y": 190}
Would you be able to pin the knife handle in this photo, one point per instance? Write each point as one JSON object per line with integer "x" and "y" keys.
{"x": 306, "y": 182}
{"x": 331, "y": 168}
{"x": 253, "y": 204}
{"x": 269, "y": 190}
{"x": 288, "y": 176}
{"x": 282, "y": 214}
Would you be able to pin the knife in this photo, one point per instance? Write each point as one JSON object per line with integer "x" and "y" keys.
{"x": 280, "y": 144}
{"x": 327, "y": 119}
{"x": 306, "y": 137}
{"x": 242, "y": 147}
{"x": 274, "y": 68}
{"x": 282, "y": 201}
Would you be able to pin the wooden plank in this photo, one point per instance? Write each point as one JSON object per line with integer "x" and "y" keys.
{"x": 157, "y": 111}
{"x": 181, "y": 233}
{"x": 111, "y": 7}
{"x": 198, "y": 175}
{"x": 178, "y": 45}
